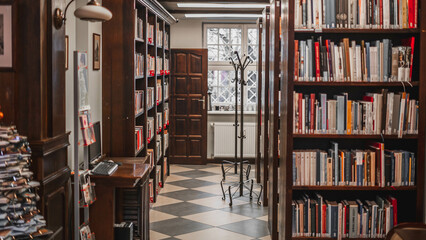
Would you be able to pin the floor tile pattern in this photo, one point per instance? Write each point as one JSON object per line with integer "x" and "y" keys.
{"x": 190, "y": 207}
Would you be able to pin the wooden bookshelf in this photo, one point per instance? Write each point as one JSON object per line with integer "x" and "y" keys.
{"x": 120, "y": 81}
{"x": 274, "y": 118}
{"x": 410, "y": 198}
{"x": 264, "y": 108}
{"x": 259, "y": 135}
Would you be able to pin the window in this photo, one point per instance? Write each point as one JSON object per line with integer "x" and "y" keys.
{"x": 221, "y": 41}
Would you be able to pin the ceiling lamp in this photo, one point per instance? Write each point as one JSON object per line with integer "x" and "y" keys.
{"x": 93, "y": 11}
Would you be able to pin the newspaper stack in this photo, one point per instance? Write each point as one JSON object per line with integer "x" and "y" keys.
{"x": 19, "y": 216}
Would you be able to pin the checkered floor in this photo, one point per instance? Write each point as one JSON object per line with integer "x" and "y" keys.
{"x": 190, "y": 207}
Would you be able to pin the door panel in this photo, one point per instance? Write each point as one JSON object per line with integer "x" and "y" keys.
{"x": 195, "y": 86}
{"x": 180, "y": 63}
{"x": 180, "y": 85}
{"x": 189, "y": 112}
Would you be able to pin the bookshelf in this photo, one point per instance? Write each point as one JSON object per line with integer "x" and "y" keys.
{"x": 274, "y": 116}
{"x": 134, "y": 83}
{"x": 259, "y": 161}
{"x": 264, "y": 109}
{"x": 410, "y": 199}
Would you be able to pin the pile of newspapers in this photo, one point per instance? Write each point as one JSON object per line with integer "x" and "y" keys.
{"x": 19, "y": 216}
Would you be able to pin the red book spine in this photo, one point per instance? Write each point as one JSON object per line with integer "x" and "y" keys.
{"x": 324, "y": 219}
{"x": 317, "y": 61}
{"x": 416, "y": 9}
{"x": 300, "y": 112}
{"x": 296, "y": 60}
{"x": 381, "y": 13}
{"x": 312, "y": 110}
{"x": 412, "y": 57}
{"x": 410, "y": 13}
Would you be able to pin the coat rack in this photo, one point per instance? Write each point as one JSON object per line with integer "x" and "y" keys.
{"x": 239, "y": 67}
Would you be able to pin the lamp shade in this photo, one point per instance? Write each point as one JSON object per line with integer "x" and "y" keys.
{"x": 93, "y": 13}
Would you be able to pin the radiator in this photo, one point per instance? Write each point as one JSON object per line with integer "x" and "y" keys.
{"x": 224, "y": 140}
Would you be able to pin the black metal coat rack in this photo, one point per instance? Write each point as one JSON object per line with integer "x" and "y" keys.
{"x": 239, "y": 67}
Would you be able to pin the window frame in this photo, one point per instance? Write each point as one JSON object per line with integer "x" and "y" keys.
{"x": 225, "y": 65}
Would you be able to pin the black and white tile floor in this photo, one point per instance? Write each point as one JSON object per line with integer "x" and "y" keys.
{"x": 190, "y": 207}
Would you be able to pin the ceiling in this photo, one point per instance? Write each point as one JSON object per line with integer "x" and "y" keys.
{"x": 171, "y": 6}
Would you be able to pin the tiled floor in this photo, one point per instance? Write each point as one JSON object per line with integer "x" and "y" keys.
{"x": 190, "y": 207}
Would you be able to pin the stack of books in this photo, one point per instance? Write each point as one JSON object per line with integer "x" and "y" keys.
{"x": 139, "y": 65}
{"x": 139, "y": 138}
{"x": 166, "y": 140}
{"x": 315, "y": 217}
{"x": 150, "y": 155}
{"x": 166, "y": 66}
{"x": 159, "y": 147}
{"x": 377, "y": 113}
{"x": 18, "y": 195}
{"x": 384, "y": 14}
{"x": 139, "y": 101}
{"x": 166, "y": 90}
{"x": 151, "y": 190}
{"x": 349, "y": 61}
{"x": 337, "y": 167}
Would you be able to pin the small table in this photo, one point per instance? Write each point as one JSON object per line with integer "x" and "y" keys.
{"x": 132, "y": 173}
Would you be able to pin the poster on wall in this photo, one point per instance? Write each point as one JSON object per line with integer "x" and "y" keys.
{"x": 5, "y": 36}
{"x": 96, "y": 51}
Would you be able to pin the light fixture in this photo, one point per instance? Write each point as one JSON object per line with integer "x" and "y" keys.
{"x": 224, "y": 5}
{"x": 93, "y": 11}
{"x": 222, "y": 15}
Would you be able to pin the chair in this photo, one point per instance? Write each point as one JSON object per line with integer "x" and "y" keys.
{"x": 407, "y": 231}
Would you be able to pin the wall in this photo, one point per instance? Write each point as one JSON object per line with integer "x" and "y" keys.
{"x": 188, "y": 33}
{"x": 81, "y": 38}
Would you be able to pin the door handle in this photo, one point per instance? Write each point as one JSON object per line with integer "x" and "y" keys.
{"x": 204, "y": 102}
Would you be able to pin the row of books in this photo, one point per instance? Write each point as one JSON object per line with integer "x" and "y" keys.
{"x": 159, "y": 65}
{"x": 159, "y": 147}
{"x": 337, "y": 167}
{"x": 139, "y": 64}
{"x": 139, "y": 144}
{"x": 139, "y": 101}
{"x": 349, "y": 61}
{"x": 166, "y": 40}
{"x": 377, "y": 113}
{"x": 159, "y": 122}
{"x": 138, "y": 26}
{"x": 150, "y": 32}
{"x": 159, "y": 91}
{"x": 150, "y": 128}
{"x": 383, "y": 14}
{"x": 158, "y": 183}
{"x": 166, "y": 141}
{"x": 313, "y": 216}
{"x": 150, "y": 97}
{"x": 166, "y": 113}
{"x": 166, "y": 90}
{"x": 150, "y": 61}
{"x": 166, "y": 64}
{"x": 159, "y": 36}
{"x": 150, "y": 155}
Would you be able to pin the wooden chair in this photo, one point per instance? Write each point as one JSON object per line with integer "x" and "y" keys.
{"x": 407, "y": 231}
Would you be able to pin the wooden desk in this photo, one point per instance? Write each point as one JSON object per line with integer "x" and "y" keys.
{"x": 102, "y": 211}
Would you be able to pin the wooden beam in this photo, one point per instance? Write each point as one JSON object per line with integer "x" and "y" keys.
{"x": 236, "y": 11}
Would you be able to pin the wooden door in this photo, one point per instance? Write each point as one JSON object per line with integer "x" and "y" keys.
{"x": 188, "y": 140}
